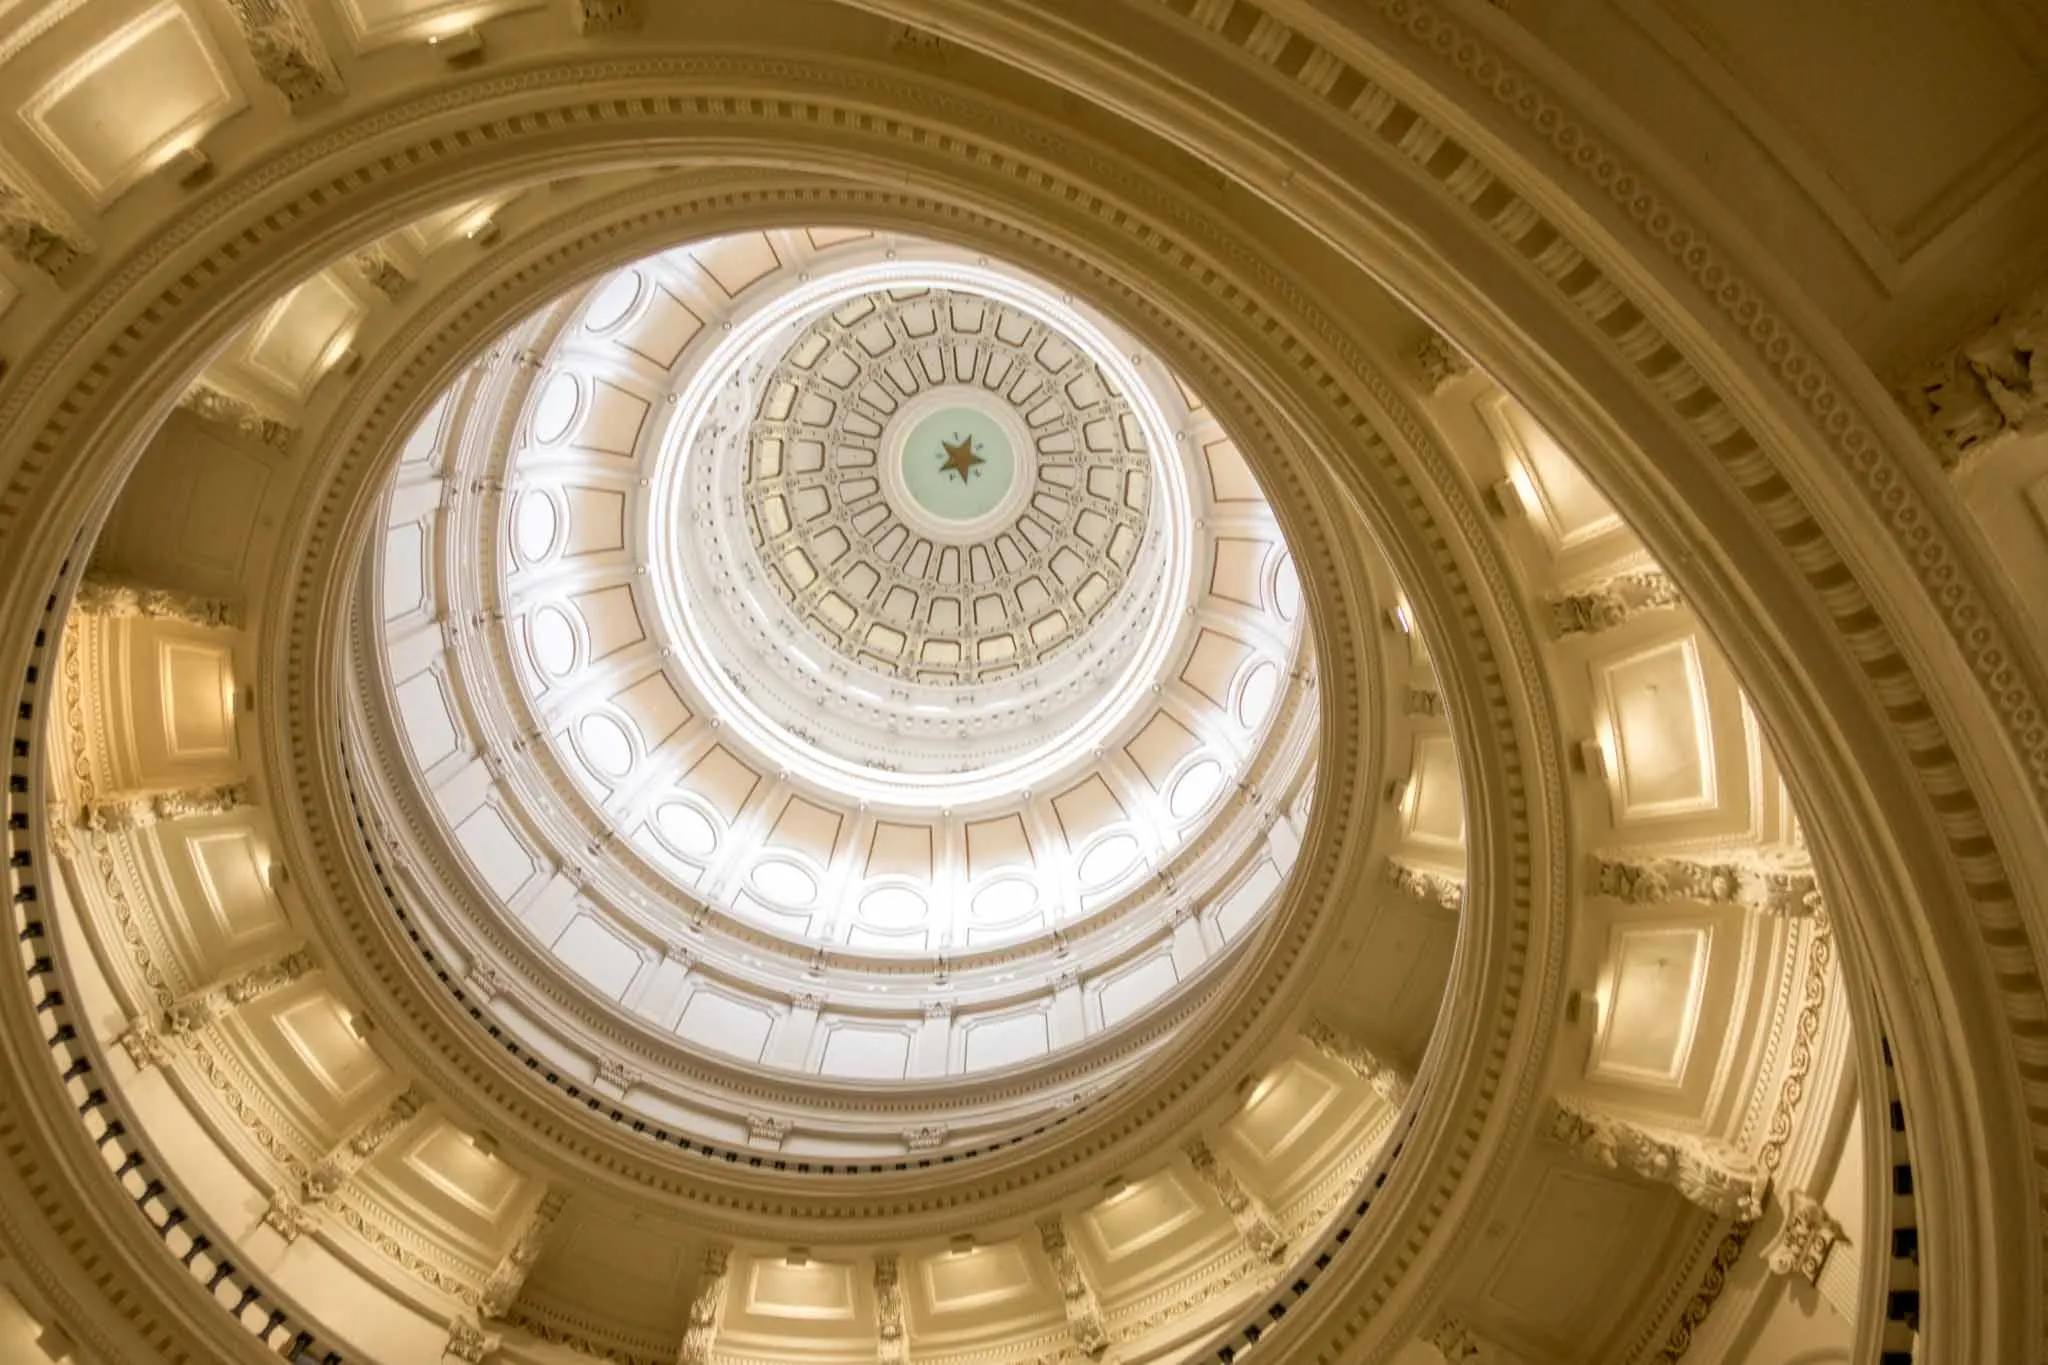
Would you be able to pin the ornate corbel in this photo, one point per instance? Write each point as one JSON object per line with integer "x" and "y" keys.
{"x": 287, "y": 49}
{"x": 707, "y": 1307}
{"x": 1714, "y": 1176}
{"x": 33, "y": 229}
{"x": 1077, "y": 1295}
{"x": 237, "y": 415}
{"x": 892, "y": 1338}
{"x": 1433, "y": 888}
{"x": 1439, "y": 362}
{"x": 102, "y": 594}
{"x": 1254, "y": 1223}
{"x": 1802, "y": 1245}
{"x": 1611, "y": 601}
{"x": 1785, "y": 887}
{"x": 502, "y": 1288}
{"x": 1388, "y": 1081}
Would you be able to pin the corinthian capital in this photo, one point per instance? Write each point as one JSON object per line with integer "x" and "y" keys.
{"x": 286, "y": 48}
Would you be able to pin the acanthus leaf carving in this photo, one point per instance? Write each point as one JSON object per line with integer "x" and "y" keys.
{"x": 287, "y": 49}
{"x": 1772, "y": 887}
{"x": 238, "y": 415}
{"x": 1388, "y": 1081}
{"x": 102, "y": 594}
{"x": 505, "y": 1282}
{"x": 1802, "y": 1245}
{"x": 1254, "y": 1223}
{"x": 1606, "y": 604}
{"x": 1434, "y": 888}
{"x": 1083, "y": 1306}
{"x": 1712, "y": 1175}
{"x": 707, "y": 1306}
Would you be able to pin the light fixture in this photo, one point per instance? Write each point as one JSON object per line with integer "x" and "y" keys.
{"x": 485, "y": 1144}
{"x": 1116, "y": 1187}
{"x": 483, "y": 233}
{"x": 277, "y": 875}
{"x": 1260, "y": 1091}
{"x": 797, "y": 1258}
{"x": 963, "y": 1244}
{"x": 1505, "y": 498}
{"x": 359, "y": 1024}
{"x": 462, "y": 45}
{"x": 1592, "y": 757}
{"x": 188, "y": 166}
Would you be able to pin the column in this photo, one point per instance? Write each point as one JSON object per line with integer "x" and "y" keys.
{"x": 1069, "y": 1025}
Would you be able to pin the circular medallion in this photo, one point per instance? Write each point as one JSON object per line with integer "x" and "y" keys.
{"x": 957, "y": 464}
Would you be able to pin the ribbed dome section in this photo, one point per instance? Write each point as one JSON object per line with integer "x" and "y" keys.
{"x": 945, "y": 488}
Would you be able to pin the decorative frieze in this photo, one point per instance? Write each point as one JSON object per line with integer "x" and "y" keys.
{"x": 101, "y": 594}
{"x": 593, "y": 17}
{"x": 892, "y": 1345}
{"x": 1802, "y": 1245}
{"x": 138, "y": 810}
{"x": 238, "y": 415}
{"x": 339, "y": 1166}
{"x": 1992, "y": 386}
{"x": 144, "y": 1039}
{"x": 706, "y": 1308}
{"x": 288, "y": 52}
{"x": 1606, "y": 604}
{"x": 1254, "y": 1223}
{"x": 1770, "y": 888}
{"x": 1434, "y": 888}
{"x": 1715, "y": 1176}
{"x": 1388, "y": 1081}
{"x": 509, "y": 1277}
{"x": 1439, "y": 362}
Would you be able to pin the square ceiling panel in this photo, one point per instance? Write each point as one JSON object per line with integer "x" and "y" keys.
{"x": 151, "y": 88}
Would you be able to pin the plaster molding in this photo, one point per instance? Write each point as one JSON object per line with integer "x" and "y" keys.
{"x": 1804, "y": 1239}
{"x": 186, "y": 1015}
{"x": 892, "y": 1341}
{"x": 502, "y": 1288}
{"x": 1432, "y": 888}
{"x": 1719, "y": 1179}
{"x": 1611, "y": 601}
{"x": 102, "y": 594}
{"x": 1254, "y": 1223}
{"x": 1389, "y": 1082}
{"x": 287, "y": 49}
{"x": 1768, "y": 885}
{"x": 1993, "y": 386}
{"x": 707, "y": 1308}
{"x": 1078, "y": 1296}
{"x": 219, "y": 408}
{"x": 124, "y": 812}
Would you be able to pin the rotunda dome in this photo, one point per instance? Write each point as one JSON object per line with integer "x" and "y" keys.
{"x": 872, "y": 643}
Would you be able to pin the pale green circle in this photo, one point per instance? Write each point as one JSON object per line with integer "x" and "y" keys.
{"x": 942, "y": 492}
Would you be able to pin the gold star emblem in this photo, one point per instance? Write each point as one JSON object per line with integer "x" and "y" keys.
{"x": 960, "y": 457}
